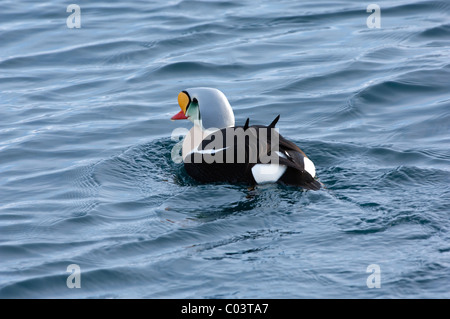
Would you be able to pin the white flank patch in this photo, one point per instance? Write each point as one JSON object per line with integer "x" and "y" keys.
{"x": 211, "y": 151}
{"x": 267, "y": 173}
{"x": 309, "y": 166}
{"x": 281, "y": 154}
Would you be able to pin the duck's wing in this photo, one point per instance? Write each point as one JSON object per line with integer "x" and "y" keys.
{"x": 289, "y": 164}
{"x": 219, "y": 159}
{"x": 300, "y": 169}
{"x": 296, "y": 173}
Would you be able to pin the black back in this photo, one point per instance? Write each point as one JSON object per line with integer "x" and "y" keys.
{"x": 229, "y": 154}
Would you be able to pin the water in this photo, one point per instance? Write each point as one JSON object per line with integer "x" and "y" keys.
{"x": 86, "y": 175}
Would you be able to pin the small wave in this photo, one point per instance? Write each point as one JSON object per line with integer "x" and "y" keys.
{"x": 418, "y": 7}
{"x": 85, "y": 54}
{"x": 440, "y": 32}
{"x": 189, "y": 69}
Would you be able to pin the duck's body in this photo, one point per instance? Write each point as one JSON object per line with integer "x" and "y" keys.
{"x": 238, "y": 154}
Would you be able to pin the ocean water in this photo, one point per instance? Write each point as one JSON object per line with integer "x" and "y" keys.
{"x": 86, "y": 175}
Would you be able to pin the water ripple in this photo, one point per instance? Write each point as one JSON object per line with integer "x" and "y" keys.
{"x": 86, "y": 174}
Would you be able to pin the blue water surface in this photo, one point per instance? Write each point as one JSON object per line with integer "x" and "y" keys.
{"x": 87, "y": 178}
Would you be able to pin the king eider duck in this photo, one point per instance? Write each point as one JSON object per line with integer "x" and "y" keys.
{"x": 215, "y": 150}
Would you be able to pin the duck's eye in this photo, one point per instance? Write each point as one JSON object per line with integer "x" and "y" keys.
{"x": 184, "y": 100}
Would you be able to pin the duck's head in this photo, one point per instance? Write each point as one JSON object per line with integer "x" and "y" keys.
{"x": 205, "y": 107}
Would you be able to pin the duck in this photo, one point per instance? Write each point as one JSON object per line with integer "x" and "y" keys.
{"x": 216, "y": 150}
